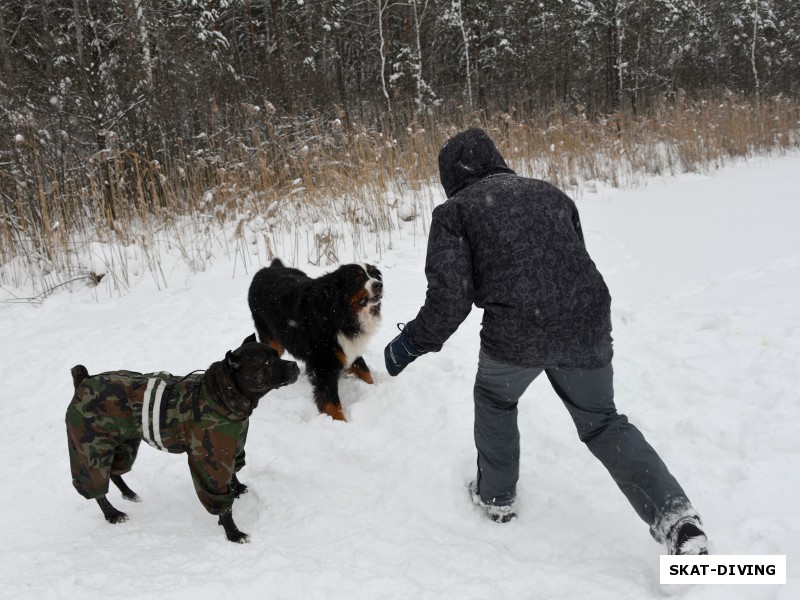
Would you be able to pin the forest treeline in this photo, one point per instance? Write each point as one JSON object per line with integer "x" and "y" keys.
{"x": 114, "y": 108}
{"x": 150, "y": 72}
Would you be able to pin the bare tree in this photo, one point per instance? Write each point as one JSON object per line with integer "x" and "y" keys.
{"x": 467, "y": 71}
{"x": 383, "y": 9}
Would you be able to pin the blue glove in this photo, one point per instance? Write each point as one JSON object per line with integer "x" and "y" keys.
{"x": 401, "y": 351}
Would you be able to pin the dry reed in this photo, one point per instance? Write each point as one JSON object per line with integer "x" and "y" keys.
{"x": 255, "y": 176}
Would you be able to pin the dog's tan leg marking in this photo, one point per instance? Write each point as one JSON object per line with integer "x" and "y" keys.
{"x": 275, "y": 346}
{"x": 363, "y": 374}
{"x": 360, "y": 369}
{"x": 334, "y": 411}
{"x": 355, "y": 369}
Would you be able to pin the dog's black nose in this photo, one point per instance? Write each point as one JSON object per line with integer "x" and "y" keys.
{"x": 293, "y": 373}
{"x": 377, "y": 286}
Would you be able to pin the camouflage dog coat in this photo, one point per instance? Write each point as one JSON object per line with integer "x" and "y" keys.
{"x": 112, "y": 412}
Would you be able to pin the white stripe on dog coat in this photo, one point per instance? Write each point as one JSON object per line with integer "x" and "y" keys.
{"x": 151, "y": 411}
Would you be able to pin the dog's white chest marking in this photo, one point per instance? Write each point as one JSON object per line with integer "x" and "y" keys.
{"x": 353, "y": 347}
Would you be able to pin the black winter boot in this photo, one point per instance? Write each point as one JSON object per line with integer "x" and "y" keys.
{"x": 686, "y": 537}
{"x": 496, "y": 512}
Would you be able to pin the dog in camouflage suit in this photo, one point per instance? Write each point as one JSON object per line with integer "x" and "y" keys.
{"x": 204, "y": 415}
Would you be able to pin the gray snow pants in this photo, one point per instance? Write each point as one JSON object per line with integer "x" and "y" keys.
{"x": 588, "y": 395}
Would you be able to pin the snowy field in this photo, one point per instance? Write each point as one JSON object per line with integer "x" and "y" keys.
{"x": 705, "y": 278}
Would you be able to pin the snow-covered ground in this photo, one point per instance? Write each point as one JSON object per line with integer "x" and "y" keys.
{"x": 705, "y": 278}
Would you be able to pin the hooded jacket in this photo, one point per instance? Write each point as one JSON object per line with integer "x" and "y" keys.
{"x": 512, "y": 246}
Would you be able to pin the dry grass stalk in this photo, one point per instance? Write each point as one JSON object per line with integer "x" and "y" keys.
{"x": 239, "y": 190}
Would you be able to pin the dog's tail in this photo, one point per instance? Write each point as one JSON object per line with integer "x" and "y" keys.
{"x": 79, "y": 373}
{"x": 276, "y": 262}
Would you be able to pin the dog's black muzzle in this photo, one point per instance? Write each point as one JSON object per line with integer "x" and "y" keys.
{"x": 290, "y": 373}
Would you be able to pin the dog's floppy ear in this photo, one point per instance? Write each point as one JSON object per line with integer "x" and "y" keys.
{"x": 232, "y": 360}
{"x": 250, "y": 338}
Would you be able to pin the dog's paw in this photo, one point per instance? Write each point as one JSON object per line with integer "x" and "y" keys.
{"x": 117, "y": 517}
{"x": 111, "y": 514}
{"x": 334, "y": 411}
{"x": 238, "y": 537}
{"x": 132, "y": 497}
{"x": 231, "y": 531}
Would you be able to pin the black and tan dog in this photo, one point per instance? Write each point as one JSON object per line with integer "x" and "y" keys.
{"x": 205, "y": 415}
{"x": 325, "y": 322}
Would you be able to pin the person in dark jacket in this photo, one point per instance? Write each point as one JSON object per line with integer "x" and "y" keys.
{"x": 514, "y": 247}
